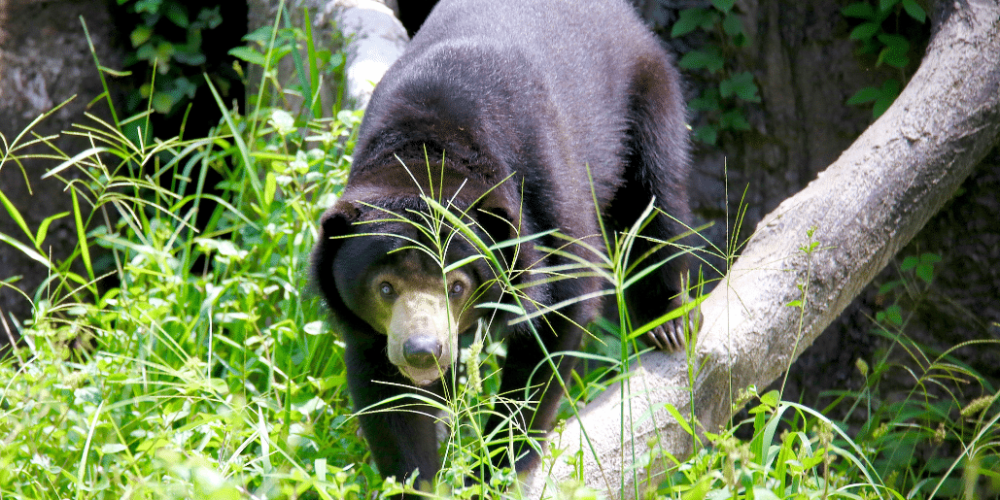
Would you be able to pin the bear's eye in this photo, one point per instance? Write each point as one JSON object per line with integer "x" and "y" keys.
{"x": 456, "y": 289}
{"x": 386, "y": 290}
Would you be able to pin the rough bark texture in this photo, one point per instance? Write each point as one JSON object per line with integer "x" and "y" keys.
{"x": 44, "y": 60}
{"x": 865, "y": 207}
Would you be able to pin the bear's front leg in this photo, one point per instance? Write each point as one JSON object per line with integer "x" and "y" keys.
{"x": 403, "y": 440}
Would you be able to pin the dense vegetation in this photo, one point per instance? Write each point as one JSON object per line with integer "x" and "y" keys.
{"x": 164, "y": 361}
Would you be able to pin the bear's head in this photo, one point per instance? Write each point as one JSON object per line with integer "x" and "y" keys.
{"x": 409, "y": 275}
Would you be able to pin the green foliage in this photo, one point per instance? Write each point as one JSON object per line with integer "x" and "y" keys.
{"x": 167, "y": 43}
{"x": 208, "y": 371}
{"x": 724, "y": 105}
{"x": 923, "y": 266}
{"x": 889, "y": 47}
{"x": 916, "y": 438}
{"x": 906, "y": 290}
{"x": 323, "y": 66}
{"x": 882, "y": 97}
{"x": 811, "y": 458}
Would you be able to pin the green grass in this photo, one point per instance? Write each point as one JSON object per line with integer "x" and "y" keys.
{"x": 225, "y": 382}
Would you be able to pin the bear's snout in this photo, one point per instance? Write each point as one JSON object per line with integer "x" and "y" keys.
{"x": 422, "y": 351}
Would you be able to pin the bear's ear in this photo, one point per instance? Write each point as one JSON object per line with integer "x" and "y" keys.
{"x": 336, "y": 221}
{"x": 334, "y": 225}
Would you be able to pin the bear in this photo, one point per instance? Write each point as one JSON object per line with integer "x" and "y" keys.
{"x": 551, "y": 125}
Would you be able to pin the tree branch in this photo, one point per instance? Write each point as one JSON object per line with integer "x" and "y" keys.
{"x": 864, "y": 208}
{"x": 377, "y": 40}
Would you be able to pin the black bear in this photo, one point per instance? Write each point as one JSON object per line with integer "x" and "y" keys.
{"x": 555, "y": 118}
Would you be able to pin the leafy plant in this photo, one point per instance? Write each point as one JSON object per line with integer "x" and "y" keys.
{"x": 891, "y": 48}
{"x": 725, "y": 104}
{"x": 207, "y": 372}
{"x": 916, "y": 438}
{"x": 323, "y": 66}
{"x": 169, "y": 55}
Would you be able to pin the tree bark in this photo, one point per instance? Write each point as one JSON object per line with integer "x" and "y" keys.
{"x": 863, "y": 209}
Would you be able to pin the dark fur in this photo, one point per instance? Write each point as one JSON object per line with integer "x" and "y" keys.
{"x": 537, "y": 90}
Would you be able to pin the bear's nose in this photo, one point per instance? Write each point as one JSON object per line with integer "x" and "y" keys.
{"x": 422, "y": 351}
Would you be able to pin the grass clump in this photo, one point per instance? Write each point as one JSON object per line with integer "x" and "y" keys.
{"x": 207, "y": 371}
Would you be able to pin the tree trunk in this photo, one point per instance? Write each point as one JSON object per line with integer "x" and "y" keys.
{"x": 862, "y": 209}
{"x": 44, "y": 60}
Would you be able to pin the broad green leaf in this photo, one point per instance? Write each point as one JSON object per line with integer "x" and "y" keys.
{"x": 885, "y": 5}
{"x": 894, "y": 314}
{"x": 915, "y": 10}
{"x": 762, "y": 493}
{"x": 700, "y": 490}
{"x": 177, "y": 14}
{"x": 681, "y": 421}
{"x": 864, "y": 31}
{"x": 262, "y": 34}
{"x": 926, "y": 273}
{"x": 191, "y": 58}
{"x": 724, "y": 5}
{"x": 734, "y": 120}
{"x": 112, "y": 448}
{"x": 140, "y": 35}
{"x": 887, "y": 95}
{"x": 247, "y": 54}
{"x": 732, "y": 25}
{"x": 692, "y": 19}
{"x": 710, "y": 58}
{"x": 891, "y": 58}
{"x": 862, "y": 10}
{"x": 707, "y": 134}
{"x": 709, "y": 101}
{"x": 890, "y": 286}
{"x": 894, "y": 42}
{"x": 741, "y": 85}
{"x": 865, "y": 95}
{"x": 771, "y": 398}
{"x": 163, "y": 102}
{"x": 148, "y": 6}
